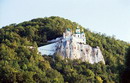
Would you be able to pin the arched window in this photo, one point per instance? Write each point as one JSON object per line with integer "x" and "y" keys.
{"x": 74, "y": 35}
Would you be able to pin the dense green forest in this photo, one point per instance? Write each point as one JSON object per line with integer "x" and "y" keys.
{"x": 19, "y": 63}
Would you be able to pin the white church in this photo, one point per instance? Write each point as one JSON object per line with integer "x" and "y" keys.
{"x": 73, "y": 46}
{"x": 78, "y": 36}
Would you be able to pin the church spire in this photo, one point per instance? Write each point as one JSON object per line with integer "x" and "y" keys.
{"x": 77, "y": 30}
{"x": 82, "y": 30}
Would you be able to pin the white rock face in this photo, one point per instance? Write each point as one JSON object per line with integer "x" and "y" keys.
{"x": 73, "y": 46}
{"x": 74, "y": 50}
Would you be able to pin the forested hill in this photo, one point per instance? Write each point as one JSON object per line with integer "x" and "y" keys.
{"x": 19, "y": 63}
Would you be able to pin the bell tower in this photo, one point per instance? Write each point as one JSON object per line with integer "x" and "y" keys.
{"x": 83, "y": 36}
{"x": 77, "y": 32}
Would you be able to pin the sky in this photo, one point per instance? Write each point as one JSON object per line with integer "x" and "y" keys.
{"x": 111, "y": 17}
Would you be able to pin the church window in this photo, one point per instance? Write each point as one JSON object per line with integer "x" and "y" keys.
{"x": 86, "y": 50}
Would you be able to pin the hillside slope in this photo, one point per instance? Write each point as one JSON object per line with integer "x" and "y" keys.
{"x": 22, "y": 64}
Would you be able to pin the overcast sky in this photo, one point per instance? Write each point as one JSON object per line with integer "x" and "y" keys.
{"x": 106, "y": 16}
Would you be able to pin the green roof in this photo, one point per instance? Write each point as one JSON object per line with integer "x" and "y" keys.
{"x": 68, "y": 29}
{"x": 77, "y": 32}
{"x": 82, "y": 32}
{"x": 77, "y": 28}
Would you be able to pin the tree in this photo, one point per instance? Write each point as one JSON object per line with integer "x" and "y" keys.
{"x": 125, "y": 76}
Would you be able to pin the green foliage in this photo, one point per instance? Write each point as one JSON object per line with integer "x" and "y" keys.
{"x": 125, "y": 74}
{"x": 99, "y": 79}
{"x": 20, "y": 61}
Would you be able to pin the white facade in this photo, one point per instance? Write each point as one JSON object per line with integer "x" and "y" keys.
{"x": 78, "y": 36}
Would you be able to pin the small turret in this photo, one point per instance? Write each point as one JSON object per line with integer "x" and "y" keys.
{"x": 77, "y": 30}
{"x": 67, "y": 33}
{"x": 82, "y": 31}
{"x": 83, "y": 36}
{"x": 77, "y": 33}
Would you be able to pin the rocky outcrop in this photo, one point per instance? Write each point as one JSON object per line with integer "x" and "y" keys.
{"x": 69, "y": 48}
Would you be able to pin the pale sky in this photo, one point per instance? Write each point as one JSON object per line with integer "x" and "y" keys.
{"x": 111, "y": 17}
